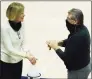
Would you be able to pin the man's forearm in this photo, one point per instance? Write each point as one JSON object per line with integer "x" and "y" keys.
{"x": 60, "y": 53}
{"x": 60, "y": 43}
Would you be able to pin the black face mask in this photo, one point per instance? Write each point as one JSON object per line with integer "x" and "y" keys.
{"x": 71, "y": 27}
{"x": 15, "y": 26}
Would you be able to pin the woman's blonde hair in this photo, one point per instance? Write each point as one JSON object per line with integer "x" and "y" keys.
{"x": 14, "y": 10}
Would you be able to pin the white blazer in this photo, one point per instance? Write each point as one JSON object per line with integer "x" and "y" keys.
{"x": 12, "y": 44}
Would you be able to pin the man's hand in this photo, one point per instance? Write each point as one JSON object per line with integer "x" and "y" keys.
{"x": 53, "y": 44}
{"x": 49, "y": 47}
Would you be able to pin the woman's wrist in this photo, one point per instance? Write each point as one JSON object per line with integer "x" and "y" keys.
{"x": 28, "y": 55}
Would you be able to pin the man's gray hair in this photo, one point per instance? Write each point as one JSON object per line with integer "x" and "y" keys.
{"x": 77, "y": 15}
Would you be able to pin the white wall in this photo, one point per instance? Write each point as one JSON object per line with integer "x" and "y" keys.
{"x": 45, "y": 20}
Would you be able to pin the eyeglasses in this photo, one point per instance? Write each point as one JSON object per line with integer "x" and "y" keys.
{"x": 72, "y": 19}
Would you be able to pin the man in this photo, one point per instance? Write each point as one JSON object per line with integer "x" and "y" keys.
{"x": 76, "y": 56}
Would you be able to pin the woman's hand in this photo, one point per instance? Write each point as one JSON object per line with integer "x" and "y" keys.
{"x": 31, "y": 58}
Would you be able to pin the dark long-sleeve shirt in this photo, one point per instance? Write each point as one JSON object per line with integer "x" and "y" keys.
{"x": 77, "y": 49}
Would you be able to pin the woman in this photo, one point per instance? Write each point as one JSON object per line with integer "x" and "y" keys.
{"x": 12, "y": 43}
